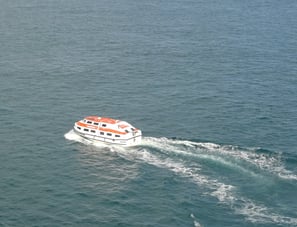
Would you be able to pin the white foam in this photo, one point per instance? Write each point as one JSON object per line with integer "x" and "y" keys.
{"x": 264, "y": 162}
{"x": 260, "y": 214}
{"x": 196, "y": 223}
{"x": 269, "y": 163}
{"x": 225, "y": 193}
{"x": 71, "y": 135}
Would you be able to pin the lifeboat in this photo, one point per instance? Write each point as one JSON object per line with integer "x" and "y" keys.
{"x": 108, "y": 130}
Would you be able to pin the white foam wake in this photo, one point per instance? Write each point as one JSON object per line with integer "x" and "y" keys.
{"x": 196, "y": 223}
{"x": 224, "y": 193}
{"x": 71, "y": 135}
{"x": 224, "y": 154}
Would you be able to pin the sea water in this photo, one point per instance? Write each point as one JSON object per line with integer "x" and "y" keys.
{"x": 211, "y": 84}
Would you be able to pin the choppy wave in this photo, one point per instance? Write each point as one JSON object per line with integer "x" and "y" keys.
{"x": 225, "y": 193}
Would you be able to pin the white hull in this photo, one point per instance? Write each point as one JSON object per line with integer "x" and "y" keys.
{"x": 108, "y": 131}
{"x": 125, "y": 142}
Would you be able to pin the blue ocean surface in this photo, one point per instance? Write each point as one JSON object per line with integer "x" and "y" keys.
{"x": 211, "y": 84}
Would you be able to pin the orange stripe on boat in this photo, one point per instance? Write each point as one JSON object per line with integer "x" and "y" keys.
{"x": 108, "y": 120}
{"x": 123, "y": 126}
{"x": 112, "y": 131}
{"x": 86, "y": 125}
{"x": 101, "y": 128}
{"x": 92, "y": 127}
{"x": 81, "y": 124}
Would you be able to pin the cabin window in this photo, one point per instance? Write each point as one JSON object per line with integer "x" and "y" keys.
{"x": 109, "y": 134}
{"x": 117, "y": 136}
{"x": 101, "y": 133}
{"x": 103, "y": 125}
{"x": 93, "y": 131}
{"x": 126, "y": 131}
{"x": 79, "y": 128}
{"x": 96, "y": 123}
{"x": 86, "y": 130}
{"x": 89, "y": 122}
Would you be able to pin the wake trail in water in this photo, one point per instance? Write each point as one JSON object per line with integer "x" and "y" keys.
{"x": 224, "y": 193}
{"x": 226, "y": 154}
